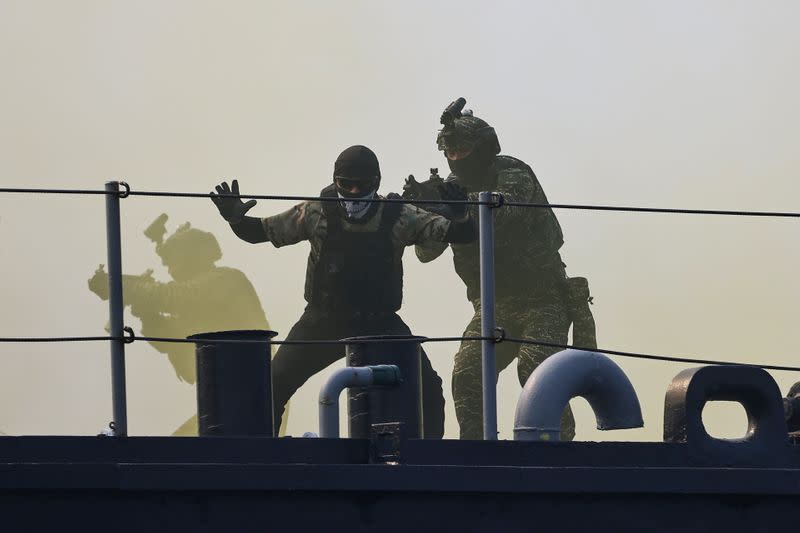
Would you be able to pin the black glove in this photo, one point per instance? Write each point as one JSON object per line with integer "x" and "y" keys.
{"x": 437, "y": 189}
{"x": 427, "y": 190}
{"x": 452, "y": 191}
{"x": 232, "y": 208}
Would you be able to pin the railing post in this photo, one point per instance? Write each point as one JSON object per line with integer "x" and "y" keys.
{"x": 489, "y": 365}
{"x": 115, "y": 309}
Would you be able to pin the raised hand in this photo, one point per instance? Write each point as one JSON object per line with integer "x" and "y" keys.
{"x": 227, "y": 200}
{"x": 425, "y": 190}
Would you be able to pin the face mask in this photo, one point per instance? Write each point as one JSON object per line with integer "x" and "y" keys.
{"x": 356, "y": 207}
{"x": 473, "y": 170}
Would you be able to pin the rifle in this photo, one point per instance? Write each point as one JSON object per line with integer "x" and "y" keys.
{"x": 98, "y": 283}
{"x": 431, "y": 189}
{"x": 435, "y": 188}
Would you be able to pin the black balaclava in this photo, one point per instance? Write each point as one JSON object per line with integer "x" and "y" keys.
{"x": 357, "y": 164}
{"x": 473, "y": 170}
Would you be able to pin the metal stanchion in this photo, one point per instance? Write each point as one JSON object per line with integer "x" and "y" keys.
{"x": 489, "y": 365}
{"x": 115, "y": 308}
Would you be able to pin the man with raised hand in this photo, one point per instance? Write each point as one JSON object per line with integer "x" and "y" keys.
{"x": 354, "y": 277}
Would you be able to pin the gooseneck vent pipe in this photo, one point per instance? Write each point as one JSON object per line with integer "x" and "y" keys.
{"x": 352, "y": 376}
{"x": 568, "y": 374}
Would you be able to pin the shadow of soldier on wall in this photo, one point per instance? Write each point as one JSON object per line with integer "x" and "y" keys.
{"x": 201, "y": 297}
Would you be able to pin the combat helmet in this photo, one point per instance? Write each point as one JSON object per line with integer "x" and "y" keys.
{"x": 462, "y": 133}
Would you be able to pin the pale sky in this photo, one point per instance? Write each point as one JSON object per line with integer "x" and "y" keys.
{"x": 673, "y": 104}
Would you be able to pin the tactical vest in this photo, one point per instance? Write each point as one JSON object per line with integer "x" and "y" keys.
{"x": 356, "y": 270}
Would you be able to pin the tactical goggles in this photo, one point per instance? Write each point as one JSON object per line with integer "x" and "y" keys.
{"x": 454, "y": 149}
{"x": 355, "y": 187}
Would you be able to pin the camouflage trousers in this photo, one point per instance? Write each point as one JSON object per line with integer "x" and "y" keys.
{"x": 293, "y": 364}
{"x": 542, "y": 318}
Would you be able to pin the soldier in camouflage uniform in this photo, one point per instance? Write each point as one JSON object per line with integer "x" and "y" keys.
{"x": 355, "y": 273}
{"x": 531, "y": 286}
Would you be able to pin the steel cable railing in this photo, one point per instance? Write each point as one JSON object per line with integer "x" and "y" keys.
{"x": 584, "y": 207}
{"x": 130, "y": 338}
{"x": 487, "y": 202}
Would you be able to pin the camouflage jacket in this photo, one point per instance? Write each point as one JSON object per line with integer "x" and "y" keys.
{"x": 527, "y": 239}
{"x": 307, "y": 221}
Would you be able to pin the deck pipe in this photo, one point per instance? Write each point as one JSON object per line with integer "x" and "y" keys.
{"x": 234, "y": 383}
{"x": 344, "y": 378}
{"x": 568, "y": 374}
{"x": 379, "y": 405}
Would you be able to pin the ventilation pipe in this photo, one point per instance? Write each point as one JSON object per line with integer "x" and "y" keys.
{"x": 234, "y": 383}
{"x": 379, "y": 405}
{"x": 353, "y": 376}
{"x": 568, "y": 374}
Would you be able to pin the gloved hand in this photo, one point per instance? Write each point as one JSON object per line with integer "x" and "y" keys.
{"x": 451, "y": 191}
{"x": 427, "y": 190}
{"x": 437, "y": 189}
{"x": 231, "y": 208}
